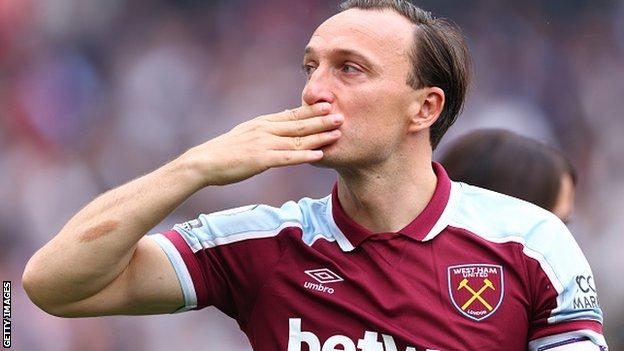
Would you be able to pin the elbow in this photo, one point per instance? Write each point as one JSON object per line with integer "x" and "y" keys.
{"x": 33, "y": 282}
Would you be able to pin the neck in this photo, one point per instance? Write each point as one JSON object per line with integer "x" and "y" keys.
{"x": 387, "y": 197}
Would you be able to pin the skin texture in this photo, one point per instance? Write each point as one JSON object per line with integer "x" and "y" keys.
{"x": 565, "y": 200}
{"x": 357, "y": 116}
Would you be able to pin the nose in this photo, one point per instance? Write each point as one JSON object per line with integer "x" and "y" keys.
{"x": 318, "y": 88}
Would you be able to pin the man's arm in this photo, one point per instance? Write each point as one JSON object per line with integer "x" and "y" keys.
{"x": 99, "y": 263}
{"x": 566, "y": 313}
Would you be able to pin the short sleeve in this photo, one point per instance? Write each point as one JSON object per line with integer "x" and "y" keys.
{"x": 565, "y": 305}
{"x": 223, "y": 258}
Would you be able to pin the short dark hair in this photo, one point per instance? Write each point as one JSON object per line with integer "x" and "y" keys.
{"x": 439, "y": 57}
{"x": 508, "y": 163}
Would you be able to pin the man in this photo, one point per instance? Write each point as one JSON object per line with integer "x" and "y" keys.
{"x": 396, "y": 258}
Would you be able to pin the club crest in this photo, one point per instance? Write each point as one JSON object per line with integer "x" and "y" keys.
{"x": 476, "y": 290}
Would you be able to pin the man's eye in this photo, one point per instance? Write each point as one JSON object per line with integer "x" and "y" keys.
{"x": 350, "y": 69}
{"x": 307, "y": 69}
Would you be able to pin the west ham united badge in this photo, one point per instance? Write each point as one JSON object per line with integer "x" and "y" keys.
{"x": 476, "y": 290}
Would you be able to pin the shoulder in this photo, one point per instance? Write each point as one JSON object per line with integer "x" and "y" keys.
{"x": 500, "y": 218}
{"x": 497, "y": 217}
{"x": 255, "y": 222}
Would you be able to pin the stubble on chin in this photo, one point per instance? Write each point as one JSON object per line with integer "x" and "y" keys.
{"x": 331, "y": 158}
{"x": 328, "y": 161}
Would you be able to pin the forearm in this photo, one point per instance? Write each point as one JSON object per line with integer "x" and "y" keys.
{"x": 98, "y": 247}
{"x": 95, "y": 246}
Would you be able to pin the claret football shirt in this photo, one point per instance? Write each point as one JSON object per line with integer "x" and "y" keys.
{"x": 476, "y": 270}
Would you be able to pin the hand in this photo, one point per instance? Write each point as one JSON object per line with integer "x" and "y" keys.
{"x": 286, "y": 138}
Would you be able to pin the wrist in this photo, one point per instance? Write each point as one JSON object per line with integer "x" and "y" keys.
{"x": 186, "y": 169}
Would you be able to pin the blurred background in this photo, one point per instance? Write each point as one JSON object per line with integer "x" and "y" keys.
{"x": 94, "y": 93}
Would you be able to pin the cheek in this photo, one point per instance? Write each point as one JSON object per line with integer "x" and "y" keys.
{"x": 367, "y": 109}
{"x": 374, "y": 115}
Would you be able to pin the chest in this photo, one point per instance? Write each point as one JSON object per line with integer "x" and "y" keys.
{"x": 392, "y": 295}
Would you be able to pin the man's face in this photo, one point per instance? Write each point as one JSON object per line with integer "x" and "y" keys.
{"x": 358, "y": 60}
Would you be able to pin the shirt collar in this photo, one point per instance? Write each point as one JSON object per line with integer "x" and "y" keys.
{"x": 430, "y": 222}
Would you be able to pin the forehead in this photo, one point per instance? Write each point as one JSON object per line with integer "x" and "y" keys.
{"x": 382, "y": 35}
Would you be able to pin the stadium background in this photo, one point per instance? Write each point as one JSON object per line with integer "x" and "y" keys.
{"x": 94, "y": 93}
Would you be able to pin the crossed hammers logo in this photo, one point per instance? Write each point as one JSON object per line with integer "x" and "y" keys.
{"x": 476, "y": 295}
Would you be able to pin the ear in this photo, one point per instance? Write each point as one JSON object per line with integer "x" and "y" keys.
{"x": 426, "y": 109}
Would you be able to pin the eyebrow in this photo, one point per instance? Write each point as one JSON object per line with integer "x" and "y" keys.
{"x": 345, "y": 53}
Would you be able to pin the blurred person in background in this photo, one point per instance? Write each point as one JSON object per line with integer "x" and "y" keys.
{"x": 514, "y": 165}
{"x": 109, "y": 268}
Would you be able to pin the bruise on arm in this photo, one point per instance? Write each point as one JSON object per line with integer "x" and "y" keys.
{"x": 98, "y": 231}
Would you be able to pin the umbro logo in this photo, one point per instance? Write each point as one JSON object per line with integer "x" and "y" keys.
{"x": 322, "y": 276}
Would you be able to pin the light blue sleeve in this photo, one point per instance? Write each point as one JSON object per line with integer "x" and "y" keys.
{"x": 577, "y": 316}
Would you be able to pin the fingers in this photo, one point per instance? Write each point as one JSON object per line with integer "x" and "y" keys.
{"x": 299, "y": 113}
{"x": 291, "y": 157}
{"x": 307, "y": 126}
{"x": 309, "y": 142}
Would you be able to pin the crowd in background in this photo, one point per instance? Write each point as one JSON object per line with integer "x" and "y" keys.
{"x": 94, "y": 93}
